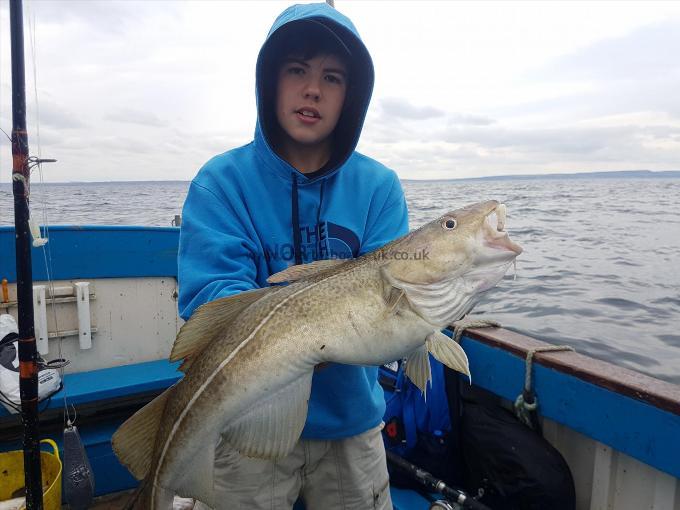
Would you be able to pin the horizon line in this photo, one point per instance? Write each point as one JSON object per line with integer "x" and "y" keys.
{"x": 603, "y": 173}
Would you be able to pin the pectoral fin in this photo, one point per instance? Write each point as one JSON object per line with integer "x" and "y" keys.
{"x": 197, "y": 481}
{"x": 418, "y": 368}
{"x": 394, "y": 298}
{"x": 448, "y": 352}
{"x": 270, "y": 429}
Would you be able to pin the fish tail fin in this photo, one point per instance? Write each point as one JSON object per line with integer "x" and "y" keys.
{"x": 134, "y": 441}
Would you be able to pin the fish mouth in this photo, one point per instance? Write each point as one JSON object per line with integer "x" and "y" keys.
{"x": 497, "y": 251}
{"x": 494, "y": 234}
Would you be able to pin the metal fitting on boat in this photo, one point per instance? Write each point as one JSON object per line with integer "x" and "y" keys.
{"x": 442, "y": 505}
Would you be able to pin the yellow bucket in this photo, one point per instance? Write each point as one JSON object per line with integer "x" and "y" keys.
{"x": 12, "y": 476}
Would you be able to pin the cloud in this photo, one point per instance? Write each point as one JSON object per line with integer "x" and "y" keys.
{"x": 635, "y": 72}
{"x": 646, "y": 53}
{"x": 556, "y": 140}
{"x": 399, "y": 108}
{"x": 398, "y": 119}
{"x": 610, "y": 105}
{"x": 152, "y": 90}
{"x": 139, "y": 117}
{"x": 53, "y": 115}
{"x": 471, "y": 120}
{"x": 623, "y": 143}
{"x": 445, "y": 151}
{"x": 103, "y": 16}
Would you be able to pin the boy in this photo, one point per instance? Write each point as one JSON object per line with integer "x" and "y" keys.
{"x": 297, "y": 193}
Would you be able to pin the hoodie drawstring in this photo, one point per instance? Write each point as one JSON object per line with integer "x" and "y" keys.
{"x": 297, "y": 238}
{"x": 318, "y": 222}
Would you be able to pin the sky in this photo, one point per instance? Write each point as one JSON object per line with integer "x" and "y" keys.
{"x": 152, "y": 89}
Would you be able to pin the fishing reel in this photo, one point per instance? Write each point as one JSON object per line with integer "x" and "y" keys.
{"x": 433, "y": 484}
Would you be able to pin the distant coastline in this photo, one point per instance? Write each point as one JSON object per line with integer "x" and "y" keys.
{"x": 617, "y": 174}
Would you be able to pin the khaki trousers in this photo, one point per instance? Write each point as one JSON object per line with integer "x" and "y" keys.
{"x": 346, "y": 474}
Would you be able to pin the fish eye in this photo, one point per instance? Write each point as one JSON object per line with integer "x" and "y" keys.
{"x": 449, "y": 224}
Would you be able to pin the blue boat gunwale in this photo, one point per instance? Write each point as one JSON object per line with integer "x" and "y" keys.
{"x": 626, "y": 410}
{"x": 100, "y": 228}
{"x": 620, "y": 380}
{"x": 98, "y": 251}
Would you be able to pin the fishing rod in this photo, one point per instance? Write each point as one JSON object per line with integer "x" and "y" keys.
{"x": 28, "y": 353}
{"x": 433, "y": 483}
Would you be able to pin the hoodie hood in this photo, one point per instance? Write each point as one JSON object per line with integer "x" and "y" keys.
{"x": 346, "y": 133}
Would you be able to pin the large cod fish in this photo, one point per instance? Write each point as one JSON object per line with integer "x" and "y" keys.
{"x": 249, "y": 358}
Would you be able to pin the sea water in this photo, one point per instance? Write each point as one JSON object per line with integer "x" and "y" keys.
{"x": 600, "y": 269}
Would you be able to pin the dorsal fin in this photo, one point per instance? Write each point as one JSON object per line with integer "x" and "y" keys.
{"x": 209, "y": 321}
{"x": 295, "y": 273}
{"x": 135, "y": 439}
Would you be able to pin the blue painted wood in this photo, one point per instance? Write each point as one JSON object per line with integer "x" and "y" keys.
{"x": 98, "y": 252}
{"x": 403, "y": 499}
{"x": 109, "y": 474}
{"x": 109, "y": 383}
{"x": 636, "y": 428}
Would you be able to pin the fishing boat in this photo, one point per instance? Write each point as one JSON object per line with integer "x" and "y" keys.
{"x": 105, "y": 298}
{"x": 618, "y": 430}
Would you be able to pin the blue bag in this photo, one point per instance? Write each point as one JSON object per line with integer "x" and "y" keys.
{"x": 409, "y": 414}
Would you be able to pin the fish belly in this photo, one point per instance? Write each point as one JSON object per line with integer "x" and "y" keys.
{"x": 221, "y": 399}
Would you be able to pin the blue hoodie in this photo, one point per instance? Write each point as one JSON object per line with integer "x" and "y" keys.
{"x": 250, "y": 214}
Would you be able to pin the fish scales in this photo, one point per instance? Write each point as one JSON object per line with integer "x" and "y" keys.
{"x": 277, "y": 352}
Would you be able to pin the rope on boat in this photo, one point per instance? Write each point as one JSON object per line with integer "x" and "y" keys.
{"x": 526, "y": 402}
{"x": 460, "y": 326}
